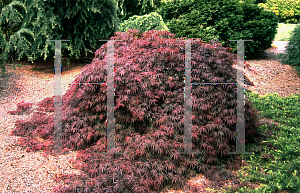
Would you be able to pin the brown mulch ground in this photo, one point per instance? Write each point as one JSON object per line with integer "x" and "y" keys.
{"x": 23, "y": 171}
{"x": 31, "y": 172}
{"x": 270, "y": 75}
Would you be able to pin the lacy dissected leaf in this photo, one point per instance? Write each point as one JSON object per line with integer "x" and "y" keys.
{"x": 149, "y": 110}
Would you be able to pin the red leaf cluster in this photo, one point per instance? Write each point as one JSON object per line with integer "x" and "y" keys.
{"x": 21, "y": 108}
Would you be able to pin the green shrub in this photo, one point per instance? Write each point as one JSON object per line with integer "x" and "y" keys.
{"x": 288, "y": 11}
{"x": 144, "y": 23}
{"x": 223, "y": 20}
{"x": 292, "y": 56}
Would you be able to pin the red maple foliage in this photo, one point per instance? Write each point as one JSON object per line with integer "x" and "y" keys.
{"x": 22, "y": 107}
{"x": 149, "y": 115}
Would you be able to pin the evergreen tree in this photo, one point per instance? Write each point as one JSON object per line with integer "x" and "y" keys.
{"x": 83, "y": 22}
{"x": 6, "y": 29}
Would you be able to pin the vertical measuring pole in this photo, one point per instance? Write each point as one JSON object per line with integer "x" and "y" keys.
{"x": 110, "y": 98}
{"x": 188, "y": 100}
{"x": 110, "y": 124}
{"x": 240, "y": 141}
{"x": 57, "y": 98}
{"x": 240, "y": 130}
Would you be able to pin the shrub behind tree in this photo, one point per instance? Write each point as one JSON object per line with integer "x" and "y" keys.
{"x": 223, "y": 20}
{"x": 144, "y": 23}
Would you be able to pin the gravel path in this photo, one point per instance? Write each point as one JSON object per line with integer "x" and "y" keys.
{"x": 23, "y": 171}
{"x": 280, "y": 45}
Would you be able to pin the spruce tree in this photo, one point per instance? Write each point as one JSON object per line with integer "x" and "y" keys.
{"x": 6, "y": 28}
{"x": 83, "y": 22}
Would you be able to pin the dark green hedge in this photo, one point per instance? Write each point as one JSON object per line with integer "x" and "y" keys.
{"x": 223, "y": 20}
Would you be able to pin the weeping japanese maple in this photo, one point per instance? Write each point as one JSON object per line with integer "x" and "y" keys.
{"x": 149, "y": 115}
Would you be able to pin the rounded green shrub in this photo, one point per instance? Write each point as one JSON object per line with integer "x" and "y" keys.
{"x": 292, "y": 56}
{"x": 223, "y": 20}
{"x": 144, "y": 23}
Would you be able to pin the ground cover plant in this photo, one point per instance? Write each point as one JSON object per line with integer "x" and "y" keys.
{"x": 149, "y": 109}
{"x": 275, "y": 165}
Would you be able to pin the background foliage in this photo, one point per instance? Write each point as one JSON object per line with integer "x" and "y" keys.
{"x": 129, "y": 8}
{"x": 144, "y": 23}
{"x": 292, "y": 56}
{"x": 207, "y": 30}
{"x": 40, "y": 20}
{"x": 6, "y": 31}
{"x": 223, "y": 20}
{"x": 2, "y": 48}
{"x": 288, "y": 11}
{"x": 6, "y": 28}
